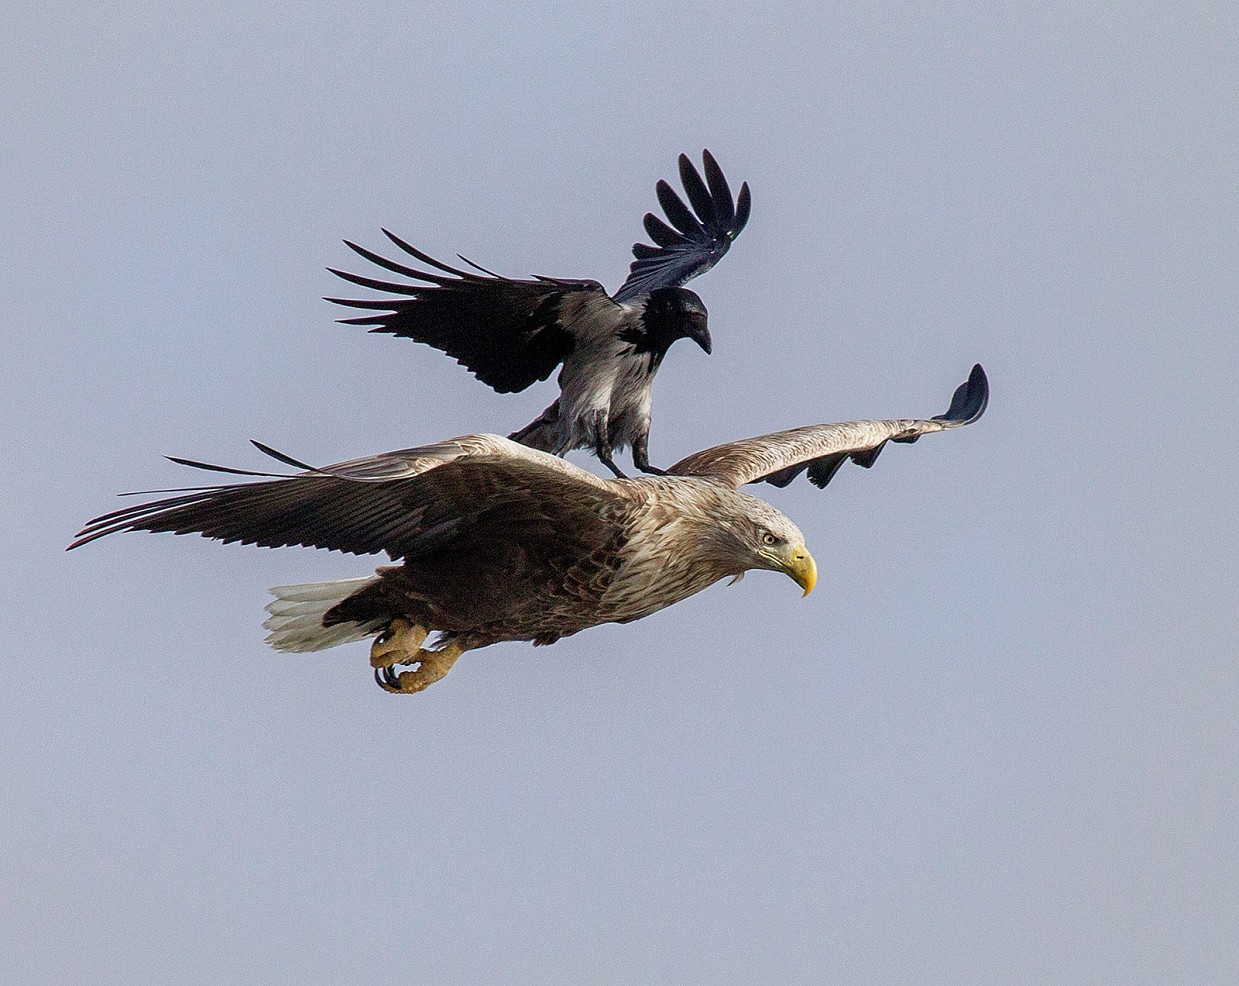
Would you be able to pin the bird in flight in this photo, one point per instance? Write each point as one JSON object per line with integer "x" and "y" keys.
{"x": 495, "y": 541}
{"x": 512, "y": 333}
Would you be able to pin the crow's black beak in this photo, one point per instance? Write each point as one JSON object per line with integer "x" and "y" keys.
{"x": 700, "y": 334}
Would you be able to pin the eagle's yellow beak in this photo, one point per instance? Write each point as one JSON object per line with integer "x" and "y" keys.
{"x": 801, "y": 568}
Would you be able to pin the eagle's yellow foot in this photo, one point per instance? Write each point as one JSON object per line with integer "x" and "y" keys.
{"x": 431, "y": 666}
{"x": 400, "y": 643}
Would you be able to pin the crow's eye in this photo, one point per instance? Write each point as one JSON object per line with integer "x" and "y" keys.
{"x": 768, "y": 538}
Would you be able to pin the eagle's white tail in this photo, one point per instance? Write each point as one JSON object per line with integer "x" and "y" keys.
{"x": 296, "y": 620}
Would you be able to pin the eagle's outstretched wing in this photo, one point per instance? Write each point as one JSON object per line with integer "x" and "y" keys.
{"x": 402, "y": 503}
{"x": 820, "y": 450}
{"x": 510, "y": 333}
{"x": 692, "y": 244}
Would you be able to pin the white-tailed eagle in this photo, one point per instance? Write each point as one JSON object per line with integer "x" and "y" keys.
{"x": 495, "y": 541}
{"x": 511, "y": 333}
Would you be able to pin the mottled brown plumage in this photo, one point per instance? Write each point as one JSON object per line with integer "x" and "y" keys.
{"x": 496, "y": 541}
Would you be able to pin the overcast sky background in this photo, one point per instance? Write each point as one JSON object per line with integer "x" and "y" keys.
{"x": 999, "y": 743}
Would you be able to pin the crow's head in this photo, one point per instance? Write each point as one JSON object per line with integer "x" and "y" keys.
{"x": 674, "y": 313}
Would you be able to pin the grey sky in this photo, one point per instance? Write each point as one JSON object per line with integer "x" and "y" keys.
{"x": 997, "y": 744}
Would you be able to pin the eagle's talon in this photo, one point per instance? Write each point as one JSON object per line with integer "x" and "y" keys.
{"x": 387, "y": 680}
{"x": 400, "y": 682}
{"x": 398, "y": 643}
{"x": 432, "y": 665}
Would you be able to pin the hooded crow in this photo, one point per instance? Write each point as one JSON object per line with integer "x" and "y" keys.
{"x": 511, "y": 333}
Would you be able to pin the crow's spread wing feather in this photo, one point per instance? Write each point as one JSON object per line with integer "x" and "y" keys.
{"x": 820, "y": 450}
{"x": 695, "y": 239}
{"x": 510, "y": 333}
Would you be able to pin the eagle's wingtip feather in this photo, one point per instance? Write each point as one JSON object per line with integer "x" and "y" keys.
{"x": 969, "y": 400}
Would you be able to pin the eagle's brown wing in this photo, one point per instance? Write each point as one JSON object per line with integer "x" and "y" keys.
{"x": 402, "y": 503}
{"x": 820, "y": 450}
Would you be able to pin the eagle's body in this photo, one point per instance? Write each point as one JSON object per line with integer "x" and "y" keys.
{"x": 497, "y": 541}
{"x": 637, "y": 547}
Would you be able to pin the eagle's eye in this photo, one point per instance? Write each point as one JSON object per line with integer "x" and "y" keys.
{"x": 769, "y": 538}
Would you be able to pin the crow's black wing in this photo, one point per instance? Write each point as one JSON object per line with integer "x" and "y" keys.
{"x": 696, "y": 238}
{"x": 509, "y": 333}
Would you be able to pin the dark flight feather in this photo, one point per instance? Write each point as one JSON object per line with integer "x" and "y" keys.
{"x": 697, "y": 242}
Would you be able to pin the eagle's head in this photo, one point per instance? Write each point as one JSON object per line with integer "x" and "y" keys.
{"x": 777, "y": 545}
{"x": 758, "y": 536}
